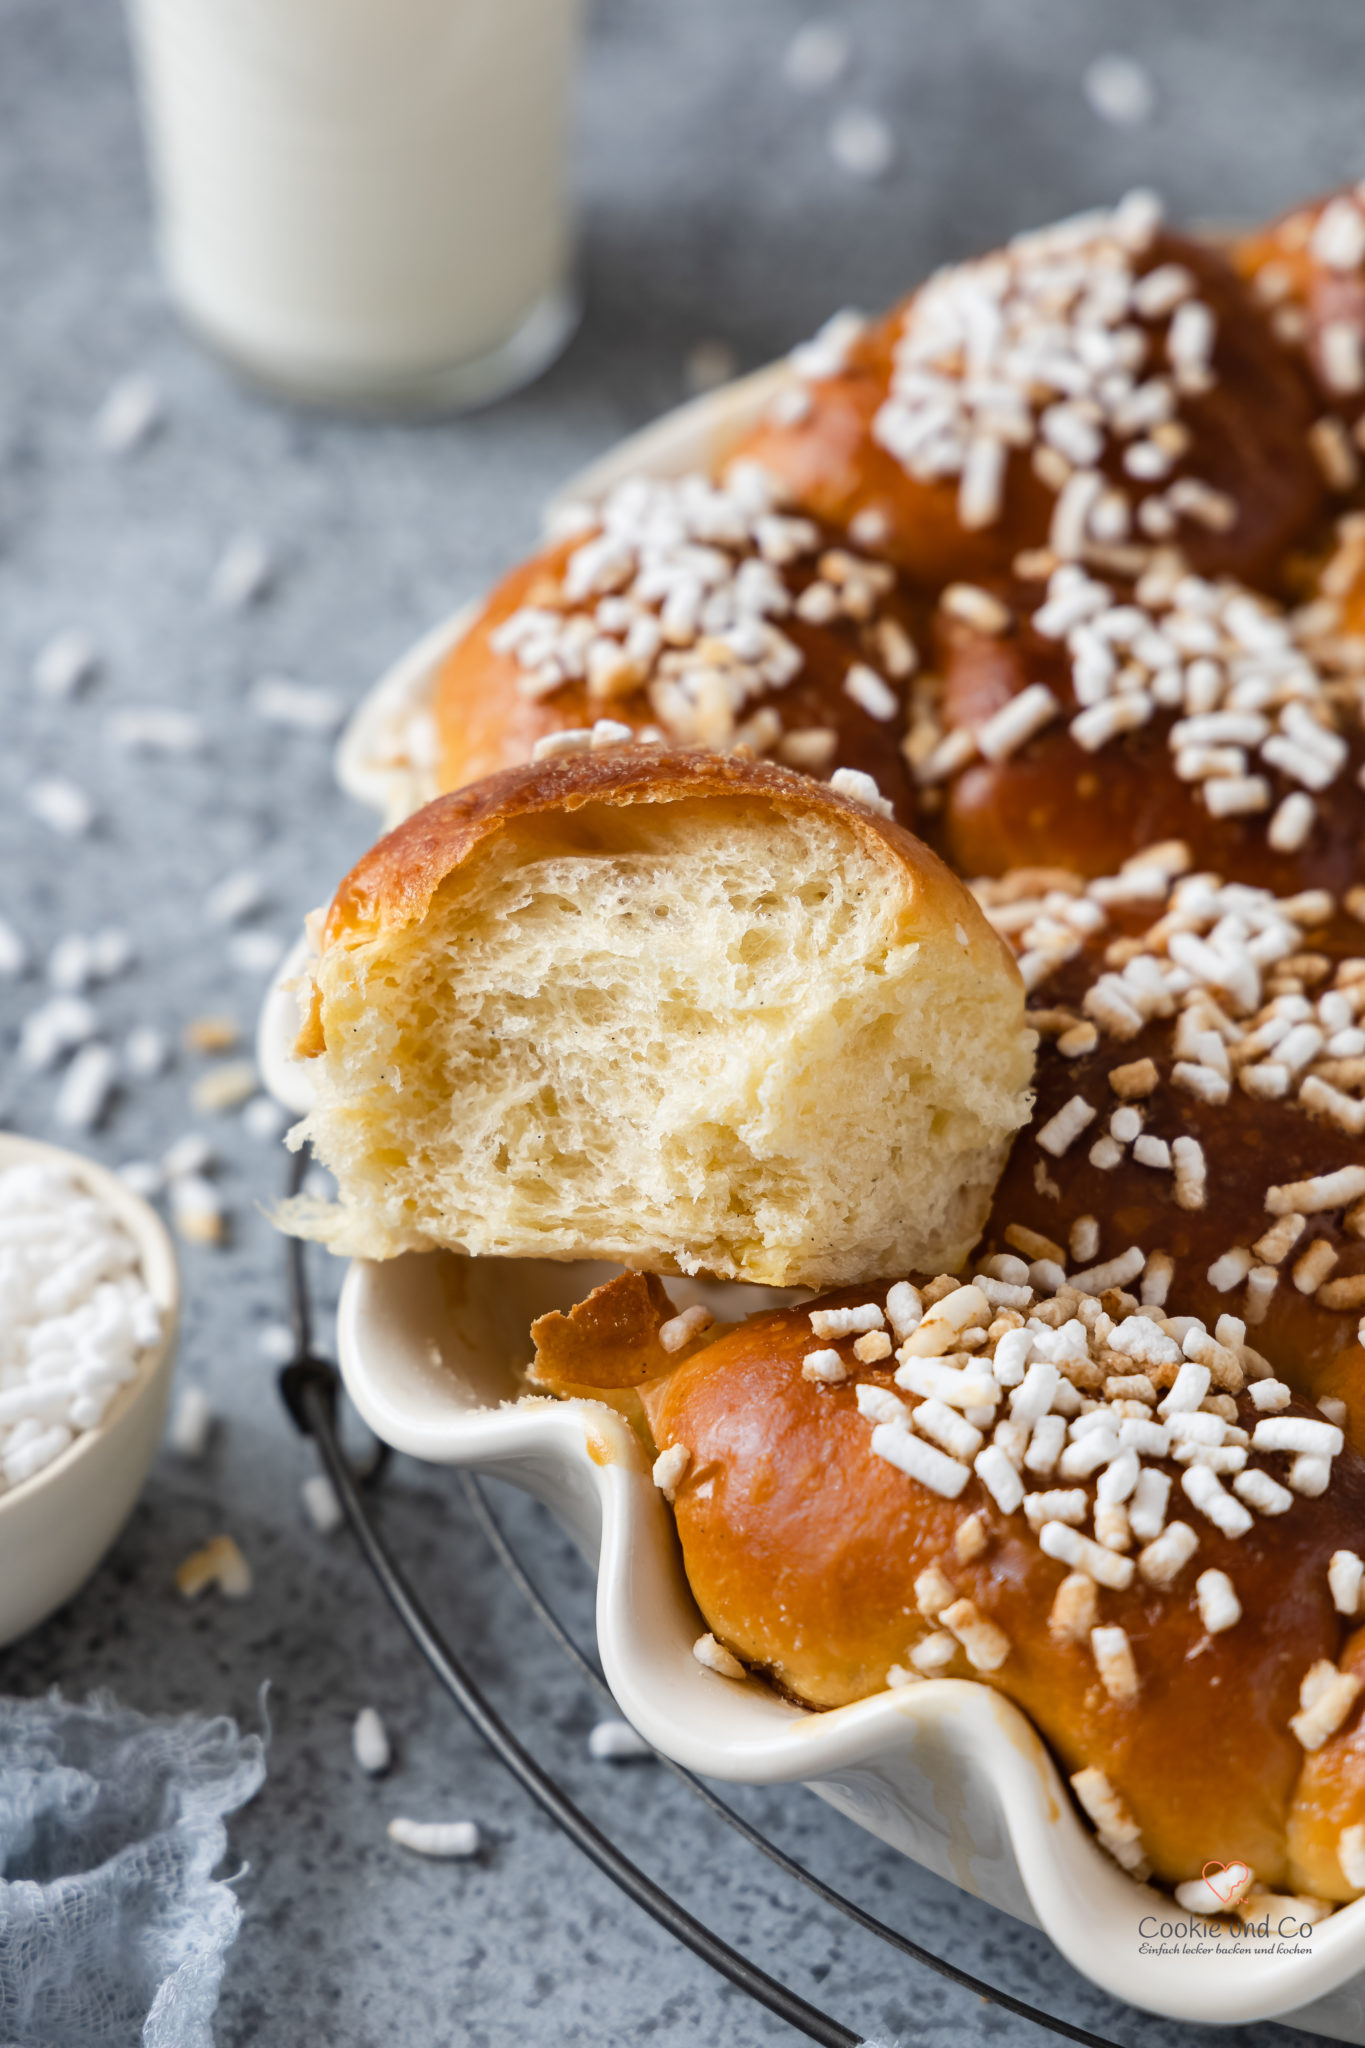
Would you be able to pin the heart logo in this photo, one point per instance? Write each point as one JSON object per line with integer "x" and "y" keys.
{"x": 1227, "y": 1881}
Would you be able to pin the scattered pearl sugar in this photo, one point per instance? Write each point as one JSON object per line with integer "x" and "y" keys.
{"x": 146, "y": 1052}
{"x": 235, "y": 897}
{"x": 142, "y": 1177}
{"x": 670, "y": 1469}
{"x": 1199, "y": 1896}
{"x": 1120, "y": 90}
{"x": 616, "y": 1741}
{"x": 86, "y": 1088}
{"x": 225, "y": 1087}
{"x": 254, "y": 952}
{"x": 68, "y": 964}
{"x": 861, "y": 143}
{"x": 129, "y": 415}
{"x": 155, "y": 729}
{"x": 708, "y": 365}
{"x": 112, "y": 953}
{"x": 64, "y": 663}
{"x": 75, "y": 961}
{"x": 861, "y": 789}
{"x": 56, "y": 1029}
{"x": 61, "y": 806}
{"x": 370, "y": 1743}
{"x": 13, "y": 952}
{"x": 191, "y": 1154}
{"x": 319, "y": 1496}
{"x": 76, "y": 1314}
{"x": 191, "y": 1424}
{"x": 265, "y": 1119}
{"x": 275, "y": 1342}
{"x": 446, "y": 1838}
{"x": 817, "y": 56}
{"x": 197, "y": 1210}
{"x": 714, "y": 1656}
{"x": 1344, "y": 1577}
{"x": 303, "y": 707}
{"x": 243, "y": 573}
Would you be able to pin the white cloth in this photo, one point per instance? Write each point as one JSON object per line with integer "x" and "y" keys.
{"x": 113, "y": 1930}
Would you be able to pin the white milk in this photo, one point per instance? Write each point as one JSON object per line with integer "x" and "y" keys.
{"x": 365, "y": 200}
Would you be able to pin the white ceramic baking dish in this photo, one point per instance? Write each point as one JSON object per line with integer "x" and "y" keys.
{"x": 431, "y": 1349}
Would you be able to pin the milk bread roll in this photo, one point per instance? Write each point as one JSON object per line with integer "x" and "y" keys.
{"x": 1086, "y": 717}
{"x": 696, "y": 613}
{"x": 679, "y": 1010}
{"x": 1307, "y": 270}
{"x": 1200, "y": 1106}
{"x": 1093, "y": 389}
{"x": 1097, "y": 1510}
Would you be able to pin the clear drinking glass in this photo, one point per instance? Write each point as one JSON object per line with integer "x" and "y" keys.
{"x": 366, "y": 202}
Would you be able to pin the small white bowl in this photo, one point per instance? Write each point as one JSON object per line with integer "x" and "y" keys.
{"x": 56, "y": 1526}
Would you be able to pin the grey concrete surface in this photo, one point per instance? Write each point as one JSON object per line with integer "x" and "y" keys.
{"x": 712, "y": 211}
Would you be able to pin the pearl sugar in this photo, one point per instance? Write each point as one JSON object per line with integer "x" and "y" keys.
{"x": 74, "y": 1315}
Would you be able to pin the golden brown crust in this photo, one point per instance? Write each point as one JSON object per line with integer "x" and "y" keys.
{"x": 606, "y": 1347}
{"x": 803, "y": 1549}
{"x": 392, "y": 885}
{"x": 1053, "y": 802}
{"x": 486, "y": 722}
{"x": 312, "y": 1040}
{"x": 608, "y": 1340}
{"x": 1305, "y": 295}
{"x": 1331, "y": 1796}
{"x": 1248, "y": 439}
{"x": 1248, "y": 1144}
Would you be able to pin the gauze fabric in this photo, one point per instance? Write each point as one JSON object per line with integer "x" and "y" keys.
{"x": 113, "y": 1930}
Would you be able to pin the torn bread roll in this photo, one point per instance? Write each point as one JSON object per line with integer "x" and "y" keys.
{"x": 1200, "y": 1108}
{"x": 696, "y": 613}
{"x": 1047, "y": 1495}
{"x": 683, "y": 1011}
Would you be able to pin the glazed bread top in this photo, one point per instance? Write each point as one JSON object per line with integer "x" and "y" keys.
{"x": 684, "y": 1011}
{"x": 694, "y": 613}
{"x": 1308, "y": 270}
{"x": 1094, "y": 385}
{"x": 1115, "y": 1516}
{"x": 1200, "y": 1104}
{"x": 1082, "y": 719}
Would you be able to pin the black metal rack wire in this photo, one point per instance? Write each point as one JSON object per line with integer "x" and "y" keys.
{"x": 310, "y": 1386}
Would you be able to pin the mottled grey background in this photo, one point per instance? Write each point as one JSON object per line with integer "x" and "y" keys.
{"x": 712, "y": 211}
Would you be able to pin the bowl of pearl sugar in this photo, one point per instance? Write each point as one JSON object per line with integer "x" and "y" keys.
{"x": 89, "y": 1302}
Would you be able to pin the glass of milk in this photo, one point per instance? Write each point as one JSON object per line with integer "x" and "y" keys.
{"x": 366, "y": 203}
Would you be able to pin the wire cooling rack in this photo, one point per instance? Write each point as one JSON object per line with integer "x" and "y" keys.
{"x": 310, "y": 1386}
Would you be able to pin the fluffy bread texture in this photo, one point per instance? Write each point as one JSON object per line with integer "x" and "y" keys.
{"x": 688, "y": 1012}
